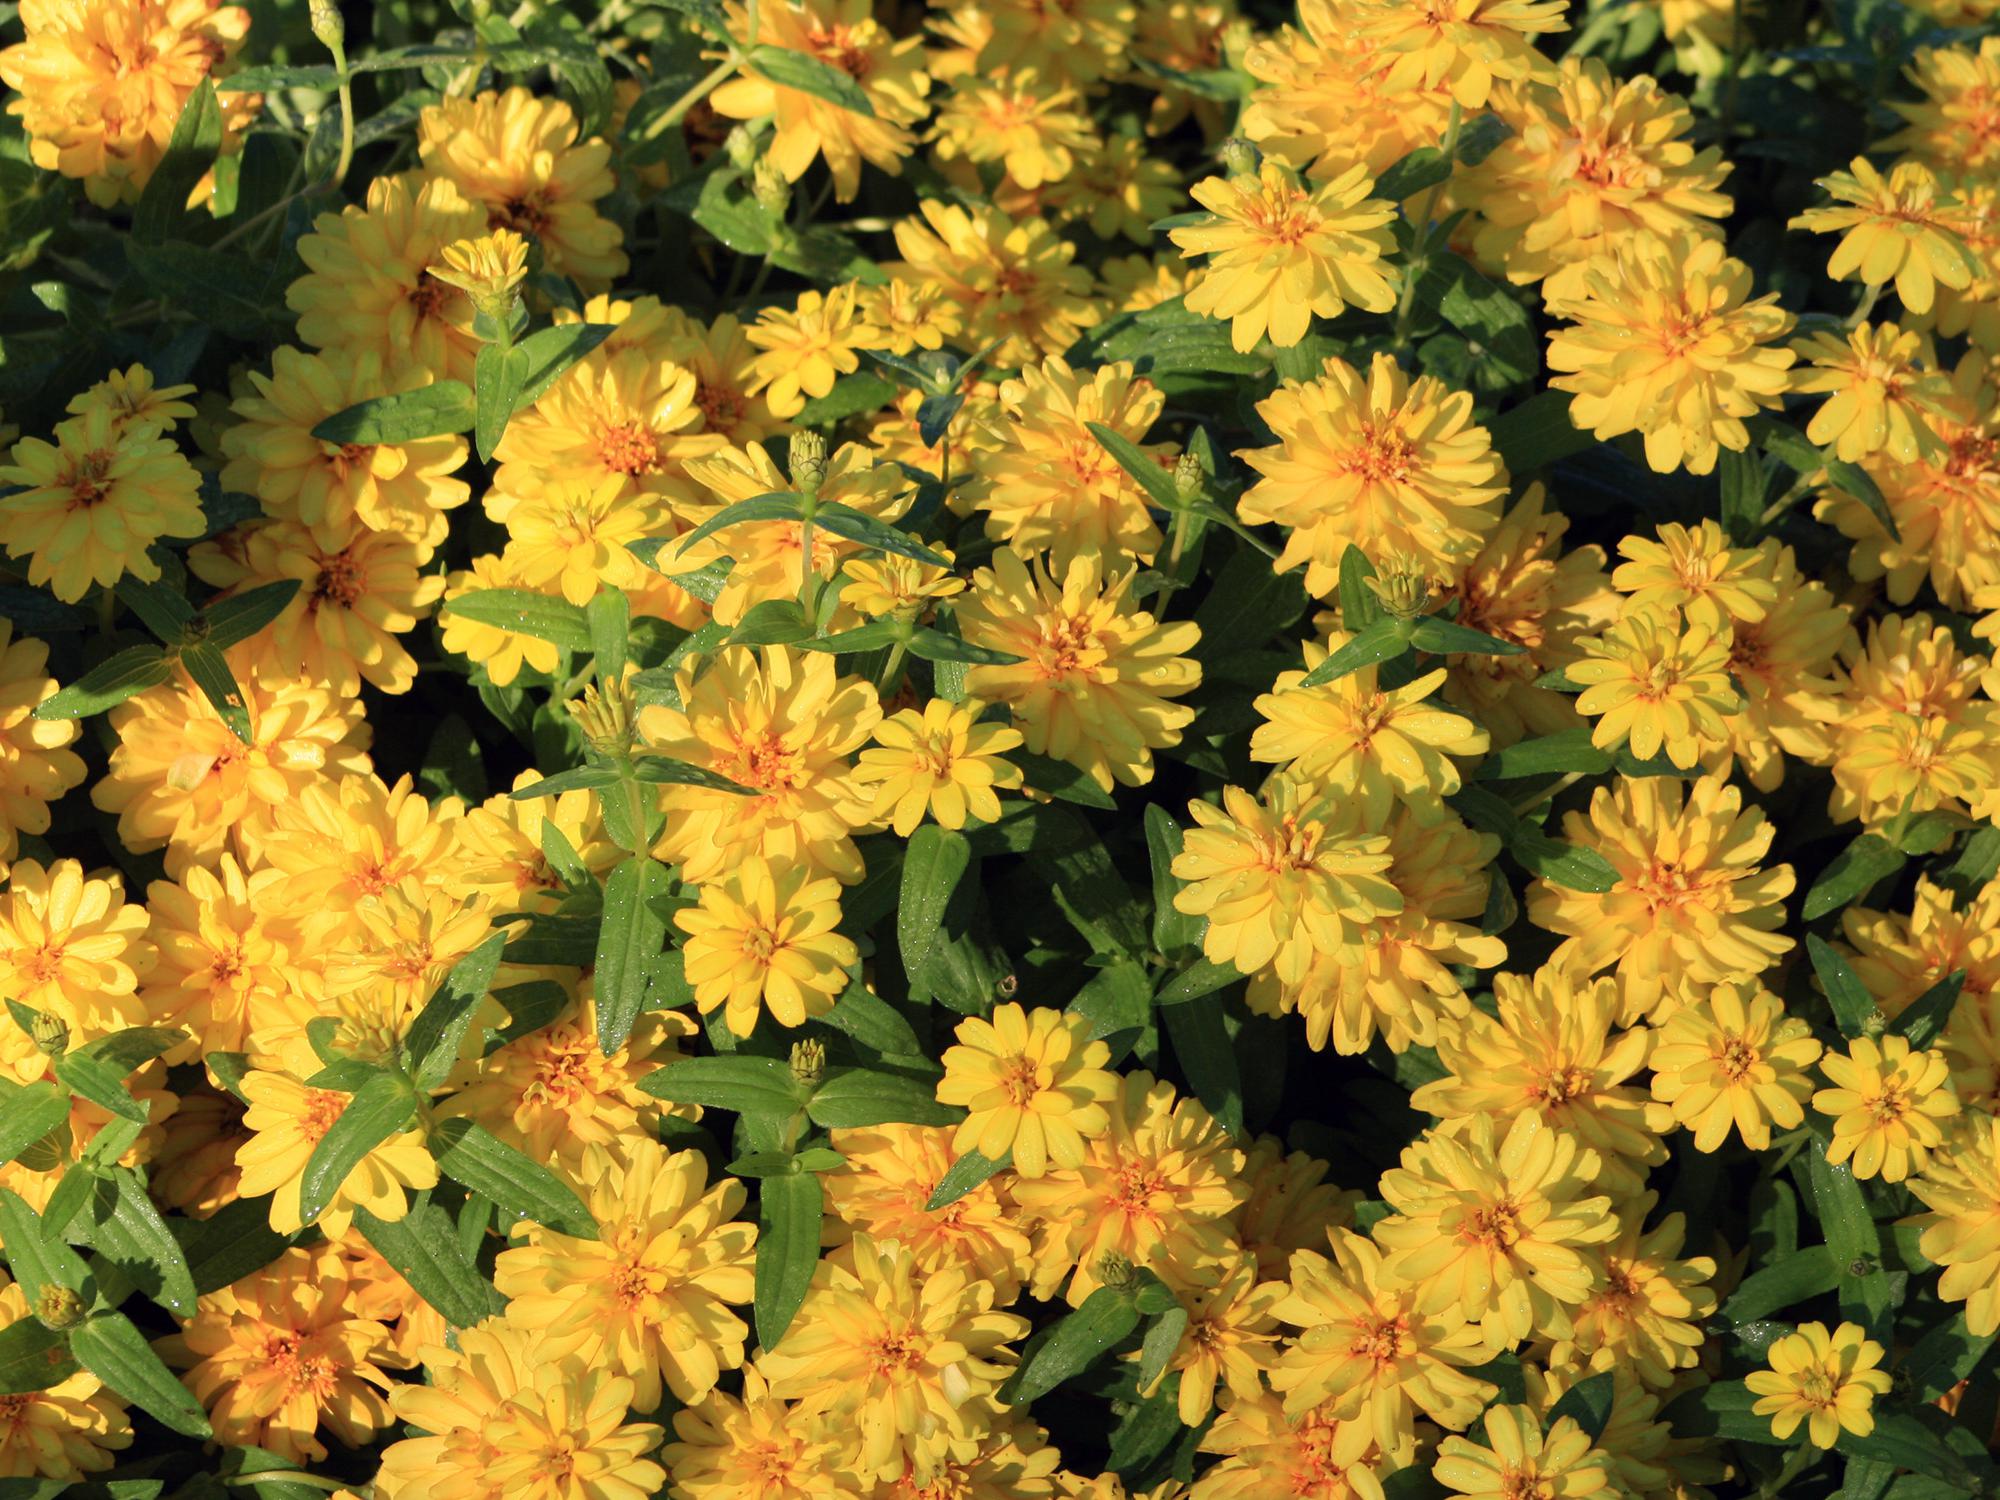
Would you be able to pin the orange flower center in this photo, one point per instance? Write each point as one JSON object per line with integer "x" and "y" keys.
{"x": 1736, "y": 1057}
{"x": 896, "y": 1352}
{"x": 765, "y": 762}
{"x": 86, "y": 480}
{"x": 1381, "y": 1343}
{"x": 1017, "y": 1079}
{"x": 1526, "y": 1483}
{"x": 628, "y": 448}
{"x": 46, "y": 964}
{"x": 527, "y": 212}
{"x": 323, "y": 1107}
{"x": 1384, "y": 455}
{"x": 299, "y": 1369}
{"x": 339, "y": 582}
{"x": 1495, "y": 1227}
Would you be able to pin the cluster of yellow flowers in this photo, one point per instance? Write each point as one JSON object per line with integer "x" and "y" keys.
{"x": 778, "y": 1091}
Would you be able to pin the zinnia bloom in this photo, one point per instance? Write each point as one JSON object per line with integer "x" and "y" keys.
{"x": 1879, "y": 386}
{"x": 36, "y": 764}
{"x": 941, "y": 759}
{"x": 73, "y": 948}
{"x": 808, "y": 347}
{"x": 1013, "y": 280}
{"x": 1657, "y": 682}
{"x": 1829, "y": 1381}
{"x": 752, "y": 1449}
{"x": 1898, "y": 228}
{"x": 1960, "y": 1189}
{"x": 1518, "y": 1458}
{"x": 1886, "y": 1105}
{"x": 1033, "y": 1083}
{"x": 763, "y": 939}
{"x": 1464, "y": 46}
{"x": 287, "y": 1119}
{"x": 1734, "y": 1059}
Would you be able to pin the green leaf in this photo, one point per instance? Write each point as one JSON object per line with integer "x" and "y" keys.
{"x": 575, "y": 779}
{"x": 1409, "y": 175}
{"x": 860, "y": 1096}
{"x": 1798, "y": 1277}
{"x": 633, "y": 935}
{"x": 128, "y": 1230}
{"x": 434, "y": 1038}
{"x": 36, "y": 1258}
{"x": 473, "y": 1156}
{"x": 108, "y": 1346}
{"x": 609, "y": 615}
{"x": 1924, "y": 1019}
{"x": 806, "y": 73}
{"x": 1798, "y": 453}
{"x": 1918, "y": 1441}
{"x": 109, "y": 683}
{"x": 1588, "y": 1403}
{"x": 230, "y": 1243}
{"x": 1445, "y": 637}
{"x": 1198, "y": 979}
{"x": 936, "y": 645}
{"x": 1537, "y": 432}
{"x": 788, "y": 1222}
{"x": 1949, "y": 1353}
{"x": 852, "y": 396}
{"x": 775, "y": 505}
{"x": 548, "y": 353}
{"x": 934, "y": 862}
{"x": 27, "y": 1114}
{"x": 381, "y": 1108}
{"x": 1559, "y": 754}
{"x": 1552, "y": 859}
{"x": 1359, "y": 607}
{"x": 664, "y": 770}
{"x": 241, "y": 616}
{"x": 1851, "y": 1237}
{"x": 498, "y": 376}
{"x": 233, "y": 295}
{"x": 1175, "y": 933}
{"x": 436, "y": 410}
{"x": 525, "y": 612}
{"x": 1201, "y": 1043}
{"x": 967, "y": 1173}
{"x": 1852, "y": 873}
{"x": 772, "y": 622}
{"x": 191, "y": 151}
{"x": 874, "y": 636}
{"x": 422, "y": 1248}
{"x": 1158, "y": 483}
{"x": 851, "y": 525}
{"x": 1162, "y": 1341}
{"x": 160, "y": 607}
{"x": 1060, "y": 779}
{"x": 1849, "y": 997}
{"x": 1079, "y": 1341}
{"x": 743, "y": 1084}
{"x": 205, "y": 665}
{"x": 1384, "y": 640}
{"x": 32, "y": 1358}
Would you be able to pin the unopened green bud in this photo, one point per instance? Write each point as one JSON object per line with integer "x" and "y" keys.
{"x": 604, "y": 713}
{"x": 1403, "y": 586}
{"x": 59, "y": 1307}
{"x": 768, "y": 186}
{"x": 808, "y": 1063}
{"x": 324, "y": 18}
{"x": 1115, "y": 1271}
{"x": 741, "y": 147}
{"x": 808, "y": 462}
{"x": 1189, "y": 476}
{"x": 51, "y": 1034}
{"x": 1240, "y": 158}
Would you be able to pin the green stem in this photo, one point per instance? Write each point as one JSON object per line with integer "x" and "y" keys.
{"x": 1864, "y": 307}
{"x": 1182, "y": 518}
{"x": 1420, "y": 251}
{"x": 891, "y": 670}
{"x": 808, "y": 505}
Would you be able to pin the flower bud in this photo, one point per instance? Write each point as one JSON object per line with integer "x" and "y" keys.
{"x": 1115, "y": 1271}
{"x": 808, "y": 462}
{"x": 1189, "y": 476}
{"x": 1240, "y": 158}
{"x": 51, "y": 1034}
{"x": 741, "y": 147}
{"x": 769, "y": 188}
{"x": 59, "y": 1307}
{"x": 489, "y": 269}
{"x": 808, "y": 1063}
{"x": 604, "y": 713}
{"x": 1403, "y": 586}
{"x": 324, "y": 18}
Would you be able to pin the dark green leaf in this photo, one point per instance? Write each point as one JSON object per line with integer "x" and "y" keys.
{"x": 1924, "y": 1019}
{"x": 1385, "y": 640}
{"x": 128, "y": 1230}
{"x": 1849, "y": 997}
{"x": 1174, "y": 932}
{"x": 1060, "y": 779}
{"x": 1444, "y": 637}
{"x": 771, "y": 622}
{"x": 1851, "y": 1238}
{"x": 436, "y": 410}
{"x": 434, "y": 1039}
{"x": 1083, "y": 1337}
{"x": 1145, "y": 470}
{"x": 859, "y": 1096}
{"x": 32, "y": 1358}
{"x": 109, "y": 683}
{"x": 498, "y": 377}
{"x": 547, "y": 354}
{"x": 381, "y": 1108}
{"x": 107, "y": 1345}
{"x": 1201, "y": 1043}
{"x": 1162, "y": 1341}
{"x": 1588, "y": 1403}
{"x": 525, "y": 612}
{"x": 230, "y": 1243}
{"x": 809, "y": 75}
{"x": 1853, "y": 872}
{"x": 1556, "y": 754}
{"x": 1198, "y": 979}
{"x": 241, "y": 616}
{"x": 788, "y": 1221}
{"x": 473, "y": 1156}
{"x": 936, "y": 645}
{"x": 664, "y": 770}
{"x": 933, "y": 864}
{"x": 423, "y": 1249}
{"x": 744, "y": 1084}
{"x": 191, "y": 152}
{"x": 632, "y": 935}
{"x": 849, "y": 524}
{"x": 28, "y": 1113}
{"x": 1799, "y": 1277}
{"x": 967, "y": 1173}
{"x": 1949, "y": 1353}
{"x": 205, "y": 665}
{"x": 1537, "y": 432}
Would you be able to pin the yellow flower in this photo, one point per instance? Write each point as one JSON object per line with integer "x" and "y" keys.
{"x": 500, "y": 653}
{"x": 1077, "y": 44}
{"x": 1517, "y": 1458}
{"x": 271, "y": 453}
{"x": 1230, "y": 1337}
{"x": 1690, "y": 907}
{"x": 1377, "y": 461}
{"x": 367, "y": 291}
{"x": 1590, "y": 162}
{"x": 1097, "y": 673}
{"x": 571, "y": 533}
{"x": 1464, "y": 46}
{"x": 36, "y": 764}
{"x": 720, "y": 357}
{"x": 287, "y": 1120}
{"x": 73, "y": 948}
{"x": 1880, "y": 388}
{"x": 488, "y": 268}
{"x": 1657, "y": 682}
{"x": 1280, "y": 877}
{"x": 67, "y": 1431}
{"x": 89, "y": 504}
{"x": 1012, "y": 280}
{"x": 884, "y": 584}
{"x": 519, "y": 157}
{"x": 225, "y": 965}
{"x": 1034, "y": 128}
{"x": 648, "y": 1298}
{"x": 1496, "y": 1227}
{"x": 1886, "y": 1105}
{"x": 844, "y": 35}
{"x": 885, "y": 1190}
{"x": 1157, "y": 1189}
{"x": 1663, "y": 339}
{"x": 1779, "y": 663}
{"x": 763, "y": 939}
{"x": 1733, "y": 1060}
{"x": 1898, "y": 228}
{"x": 1829, "y": 1381}
{"x": 781, "y": 723}
{"x": 134, "y": 401}
{"x": 1884, "y": 767}
{"x": 1551, "y": 1053}
{"x": 752, "y": 1449}
{"x": 908, "y": 315}
{"x": 1695, "y": 570}
{"x": 1118, "y": 187}
{"x": 941, "y": 759}
{"x": 1951, "y": 128}
{"x": 102, "y": 85}
{"x": 358, "y": 591}
{"x": 282, "y": 1352}
{"x": 1960, "y": 1190}
{"x": 1283, "y": 253}
{"x": 1352, "y": 739}
{"x": 1369, "y": 1354}
{"x": 499, "y": 858}
{"x": 1646, "y": 1316}
{"x": 507, "y": 1418}
{"x": 902, "y": 1361}
{"x": 1033, "y": 1084}
{"x": 344, "y": 841}
{"x": 807, "y": 348}
{"x": 1044, "y": 482}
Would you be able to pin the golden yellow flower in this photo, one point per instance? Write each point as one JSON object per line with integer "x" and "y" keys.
{"x": 1880, "y": 387}
{"x": 89, "y": 504}
{"x": 1098, "y": 672}
{"x": 1033, "y": 127}
{"x": 68, "y": 1431}
{"x": 1779, "y": 664}
{"x": 1657, "y": 682}
{"x": 519, "y": 157}
{"x": 1665, "y": 340}
{"x": 1078, "y": 44}
{"x": 488, "y": 268}
{"x": 1465, "y": 46}
{"x": 807, "y": 348}
{"x": 287, "y": 1120}
{"x": 1282, "y": 253}
{"x": 134, "y": 401}
{"x": 73, "y": 948}
{"x": 752, "y": 1449}
{"x": 1897, "y": 229}
{"x": 1231, "y": 1337}
{"x": 763, "y": 940}
{"x": 1518, "y": 1458}
{"x": 1886, "y": 1105}
{"x": 1646, "y": 1317}
{"x": 1733, "y": 1060}
{"x": 648, "y": 1299}
{"x": 1034, "y": 1085}
{"x": 1952, "y": 129}
{"x": 1695, "y": 570}
{"x": 344, "y": 841}
{"x": 908, "y": 315}
{"x": 36, "y": 764}
{"x": 1118, "y": 187}
{"x": 720, "y": 357}
{"x": 883, "y": 584}
{"x": 1828, "y": 1381}
{"x": 500, "y": 653}
{"x": 1960, "y": 1190}
{"x": 1376, "y": 461}
{"x": 572, "y": 534}
{"x": 941, "y": 759}
{"x": 225, "y": 961}
{"x": 1013, "y": 281}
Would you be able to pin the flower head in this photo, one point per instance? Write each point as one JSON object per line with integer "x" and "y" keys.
{"x": 1886, "y": 1105}
{"x": 1898, "y": 228}
{"x": 1033, "y": 1083}
{"x": 1828, "y": 1381}
{"x": 287, "y": 1120}
{"x": 1733, "y": 1060}
{"x": 1960, "y": 1190}
{"x": 941, "y": 759}
{"x": 1658, "y": 682}
{"x": 762, "y": 940}
{"x": 1518, "y": 1458}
